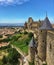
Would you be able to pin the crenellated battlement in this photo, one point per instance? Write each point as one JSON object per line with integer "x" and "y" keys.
{"x": 52, "y": 32}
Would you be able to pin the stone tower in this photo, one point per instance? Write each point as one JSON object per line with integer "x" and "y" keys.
{"x": 30, "y": 20}
{"x": 42, "y": 39}
{"x": 25, "y": 25}
{"x": 32, "y": 49}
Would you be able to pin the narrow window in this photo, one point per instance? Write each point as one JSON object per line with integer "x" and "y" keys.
{"x": 41, "y": 30}
{"x": 43, "y": 40}
{"x": 50, "y": 46}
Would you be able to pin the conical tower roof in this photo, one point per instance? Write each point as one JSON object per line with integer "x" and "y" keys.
{"x": 46, "y": 24}
{"x": 32, "y": 43}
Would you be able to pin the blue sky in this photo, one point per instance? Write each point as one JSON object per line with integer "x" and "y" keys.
{"x": 18, "y": 11}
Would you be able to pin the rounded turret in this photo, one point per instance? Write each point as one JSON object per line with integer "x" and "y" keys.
{"x": 43, "y": 38}
{"x": 42, "y": 44}
{"x": 30, "y": 20}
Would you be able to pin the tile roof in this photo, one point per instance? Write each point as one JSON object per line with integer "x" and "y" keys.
{"x": 4, "y": 44}
{"x": 46, "y": 24}
{"x": 32, "y": 43}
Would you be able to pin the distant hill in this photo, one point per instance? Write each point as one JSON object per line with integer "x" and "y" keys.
{"x": 11, "y": 24}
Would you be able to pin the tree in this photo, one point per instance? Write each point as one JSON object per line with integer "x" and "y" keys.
{"x": 25, "y": 32}
{"x": 1, "y": 36}
{"x": 1, "y": 62}
{"x": 32, "y": 63}
{"x": 27, "y": 42}
{"x": 30, "y": 34}
{"x": 4, "y": 60}
{"x": 13, "y": 57}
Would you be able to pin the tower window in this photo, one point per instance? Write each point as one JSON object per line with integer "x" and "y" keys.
{"x": 43, "y": 40}
{"x": 41, "y": 30}
{"x": 50, "y": 46}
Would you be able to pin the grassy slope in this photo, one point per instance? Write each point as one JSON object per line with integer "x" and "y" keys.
{"x": 21, "y": 42}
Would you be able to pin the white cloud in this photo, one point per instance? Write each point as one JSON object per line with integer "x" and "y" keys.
{"x": 10, "y": 2}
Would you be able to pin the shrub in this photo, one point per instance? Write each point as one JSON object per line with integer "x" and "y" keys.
{"x": 31, "y": 63}
{"x": 25, "y": 32}
{"x": 44, "y": 63}
{"x": 27, "y": 43}
{"x": 1, "y": 36}
{"x": 1, "y": 63}
{"x": 13, "y": 56}
{"x": 5, "y": 40}
{"x": 30, "y": 34}
{"x": 5, "y": 47}
{"x": 4, "y": 60}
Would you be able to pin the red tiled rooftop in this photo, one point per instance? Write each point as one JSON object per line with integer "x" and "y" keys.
{"x": 3, "y": 44}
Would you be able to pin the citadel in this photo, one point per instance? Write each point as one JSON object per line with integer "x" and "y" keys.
{"x": 42, "y": 49}
{"x": 34, "y": 42}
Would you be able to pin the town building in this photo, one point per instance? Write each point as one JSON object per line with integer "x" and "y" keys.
{"x": 31, "y": 24}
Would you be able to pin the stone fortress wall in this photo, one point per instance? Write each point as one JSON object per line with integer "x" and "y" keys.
{"x": 42, "y": 44}
{"x": 50, "y": 48}
{"x": 45, "y": 41}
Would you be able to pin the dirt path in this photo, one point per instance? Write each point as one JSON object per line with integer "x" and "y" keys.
{"x": 25, "y": 58}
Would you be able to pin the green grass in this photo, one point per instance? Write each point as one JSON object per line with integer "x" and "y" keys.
{"x": 22, "y": 42}
{"x": 1, "y": 63}
{"x": 18, "y": 35}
